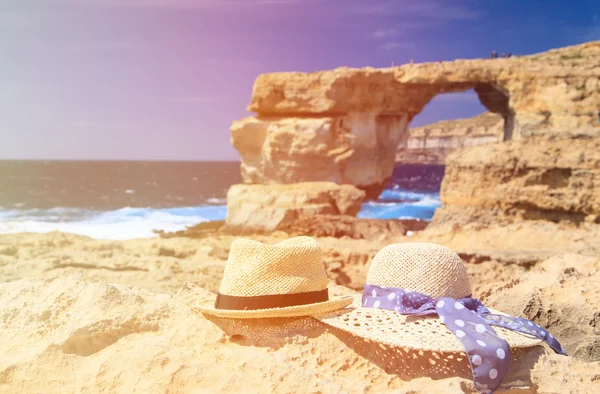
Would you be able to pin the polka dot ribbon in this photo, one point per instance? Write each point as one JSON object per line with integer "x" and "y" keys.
{"x": 470, "y": 321}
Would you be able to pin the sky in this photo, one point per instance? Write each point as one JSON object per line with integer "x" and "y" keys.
{"x": 164, "y": 79}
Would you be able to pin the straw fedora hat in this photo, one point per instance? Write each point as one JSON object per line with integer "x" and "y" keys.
{"x": 283, "y": 280}
{"x": 429, "y": 269}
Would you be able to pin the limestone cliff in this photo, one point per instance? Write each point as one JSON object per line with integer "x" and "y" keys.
{"x": 546, "y": 177}
{"x": 432, "y": 143}
{"x": 344, "y": 125}
{"x": 356, "y": 149}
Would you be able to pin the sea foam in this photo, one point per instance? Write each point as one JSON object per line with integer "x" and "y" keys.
{"x": 405, "y": 205}
{"x": 129, "y": 223}
{"x": 124, "y": 223}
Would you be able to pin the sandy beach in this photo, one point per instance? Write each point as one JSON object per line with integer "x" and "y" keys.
{"x": 83, "y": 315}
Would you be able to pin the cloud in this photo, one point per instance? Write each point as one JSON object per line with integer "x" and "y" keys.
{"x": 394, "y": 45}
{"x": 425, "y": 9}
{"x": 411, "y": 16}
{"x": 384, "y": 33}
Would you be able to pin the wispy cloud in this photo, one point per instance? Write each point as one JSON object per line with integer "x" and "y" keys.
{"x": 384, "y": 33}
{"x": 388, "y": 42}
{"x": 395, "y": 45}
{"x": 426, "y": 9}
{"x": 411, "y": 16}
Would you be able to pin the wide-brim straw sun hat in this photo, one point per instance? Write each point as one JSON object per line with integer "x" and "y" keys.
{"x": 287, "y": 279}
{"x": 421, "y": 267}
{"x": 418, "y": 296}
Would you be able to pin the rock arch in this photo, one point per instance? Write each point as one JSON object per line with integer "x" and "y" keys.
{"x": 344, "y": 125}
{"x": 496, "y": 100}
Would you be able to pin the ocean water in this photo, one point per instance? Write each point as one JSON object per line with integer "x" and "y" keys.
{"x": 126, "y": 200}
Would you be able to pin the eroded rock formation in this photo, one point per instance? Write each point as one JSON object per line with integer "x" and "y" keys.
{"x": 432, "y": 143}
{"x": 339, "y": 226}
{"x": 266, "y": 208}
{"x": 344, "y": 125}
{"x": 546, "y": 177}
{"x": 354, "y": 148}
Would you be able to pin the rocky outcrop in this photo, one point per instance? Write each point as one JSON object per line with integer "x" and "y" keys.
{"x": 432, "y": 143}
{"x": 554, "y": 178}
{"x": 350, "y": 121}
{"x": 521, "y": 201}
{"x": 356, "y": 149}
{"x": 344, "y": 226}
{"x": 338, "y": 226}
{"x": 521, "y": 243}
{"x": 555, "y": 91}
{"x": 266, "y": 208}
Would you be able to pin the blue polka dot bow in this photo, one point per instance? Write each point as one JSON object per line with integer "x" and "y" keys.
{"x": 470, "y": 321}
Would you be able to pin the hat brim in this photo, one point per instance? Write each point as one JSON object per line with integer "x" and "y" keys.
{"x": 410, "y": 332}
{"x": 207, "y": 305}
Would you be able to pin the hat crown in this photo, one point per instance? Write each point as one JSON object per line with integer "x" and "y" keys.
{"x": 257, "y": 269}
{"x": 427, "y": 268}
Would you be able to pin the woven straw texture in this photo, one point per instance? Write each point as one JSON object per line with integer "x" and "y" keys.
{"x": 427, "y": 268}
{"x": 256, "y": 269}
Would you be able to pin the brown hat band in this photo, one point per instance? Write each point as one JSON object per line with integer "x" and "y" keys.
{"x": 270, "y": 301}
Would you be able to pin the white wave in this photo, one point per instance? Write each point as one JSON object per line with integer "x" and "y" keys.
{"x": 401, "y": 194}
{"x": 428, "y": 201}
{"x": 416, "y": 205}
{"x": 381, "y": 204}
{"x": 217, "y": 201}
{"x": 52, "y": 214}
{"x": 125, "y": 223}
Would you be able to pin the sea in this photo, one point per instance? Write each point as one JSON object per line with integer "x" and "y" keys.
{"x": 120, "y": 200}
